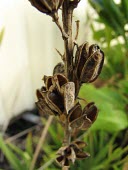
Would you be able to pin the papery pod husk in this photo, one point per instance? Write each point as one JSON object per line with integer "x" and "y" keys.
{"x": 68, "y": 91}
{"x": 90, "y": 111}
{"x": 39, "y": 94}
{"x": 80, "y": 144}
{"x": 72, "y": 156}
{"x": 55, "y": 101}
{"x": 82, "y": 155}
{"x": 62, "y": 161}
{"x": 92, "y": 67}
{"x": 74, "y": 114}
{"x": 81, "y": 57}
{"x": 92, "y": 49}
{"x": 81, "y": 123}
{"x": 44, "y": 108}
{"x": 42, "y": 105}
{"x": 66, "y": 163}
{"x": 66, "y": 155}
{"x": 86, "y": 123}
{"x": 60, "y": 79}
{"x": 59, "y": 69}
{"x": 78, "y": 119}
{"x": 77, "y": 123}
{"x": 48, "y": 81}
{"x": 47, "y": 6}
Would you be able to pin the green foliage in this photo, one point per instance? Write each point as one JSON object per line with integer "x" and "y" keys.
{"x": 17, "y": 158}
{"x": 105, "y": 155}
{"x": 1, "y": 35}
{"x": 111, "y": 99}
{"x": 113, "y": 36}
{"x": 111, "y": 105}
{"x": 111, "y": 15}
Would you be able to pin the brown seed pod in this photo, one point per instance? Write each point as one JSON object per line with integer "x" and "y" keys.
{"x": 47, "y": 6}
{"x": 91, "y": 111}
{"x": 59, "y": 80}
{"x": 81, "y": 57}
{"x": 42, "y": 106}
{"x": 80, "y": 144}
{"x": 82, "y": 119}
{"x": 59, "y": 68}
{"x": 55, "y": 102}
{"x": 82, "y": 155}
{"x": 69, "y": 95}
{"x": 48, "y": 81}
{"x": 75, "y": 116}
{"x": 92, "y": 67}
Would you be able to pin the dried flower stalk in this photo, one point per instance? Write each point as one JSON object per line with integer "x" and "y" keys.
{"x": 59, "y": 96}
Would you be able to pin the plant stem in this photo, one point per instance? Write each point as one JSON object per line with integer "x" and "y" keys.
{"x": 67, "y": 13}
{"x": 67, "y": 134}
{"x": 56, "y": 20}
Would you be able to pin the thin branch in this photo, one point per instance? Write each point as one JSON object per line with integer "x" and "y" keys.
{"x": 67, "y": 134}
{"x": 56, "y": 20}
{"x": 41, "y": 141}
{"x": 59, "y": 52}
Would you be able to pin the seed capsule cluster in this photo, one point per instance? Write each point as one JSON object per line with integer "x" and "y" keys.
{"x": 59, "y": 96}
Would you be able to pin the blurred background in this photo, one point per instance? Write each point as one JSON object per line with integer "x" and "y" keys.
{"x": 27, "y": 53}
{"x": 28, "y": 40}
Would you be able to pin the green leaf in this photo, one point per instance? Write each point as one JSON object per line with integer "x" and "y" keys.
{"x": 11, "y": 157}
{"x": 124, "y": 7}
{"x": 1, "y": 35}
{"x": 110, "y": 14}
{"x": 29, "y": 146}
{"x": 24, "y": 156}
{"x": 111, "y": 116}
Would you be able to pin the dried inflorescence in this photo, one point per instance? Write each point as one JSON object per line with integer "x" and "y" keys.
{"x": 88, "y": 64}
{"x": 67, "y": 154}
{"x": 59, "y": 96}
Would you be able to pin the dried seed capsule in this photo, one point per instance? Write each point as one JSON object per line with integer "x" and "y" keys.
{"x": 81, "y": 57}
{"x": 82, "y": 155}
{"x": 69, "y": 95}
{"x": 59, "y": 68}
{"x": 80, "y": 144}
{"x": 92, "y": 66}
{"x": 82, "y": 119}
{"x": 55, "y": 102}
{"x": 75, "y": 113}
{"x": 47, "y": 6}
{"x": 43, "y": 106}
{"x": 48, "y": 81}
{"x": 59, "y": 80}
{"x": 91, "y": 111}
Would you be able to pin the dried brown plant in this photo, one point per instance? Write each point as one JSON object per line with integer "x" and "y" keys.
{"x": 59, "y": 96}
